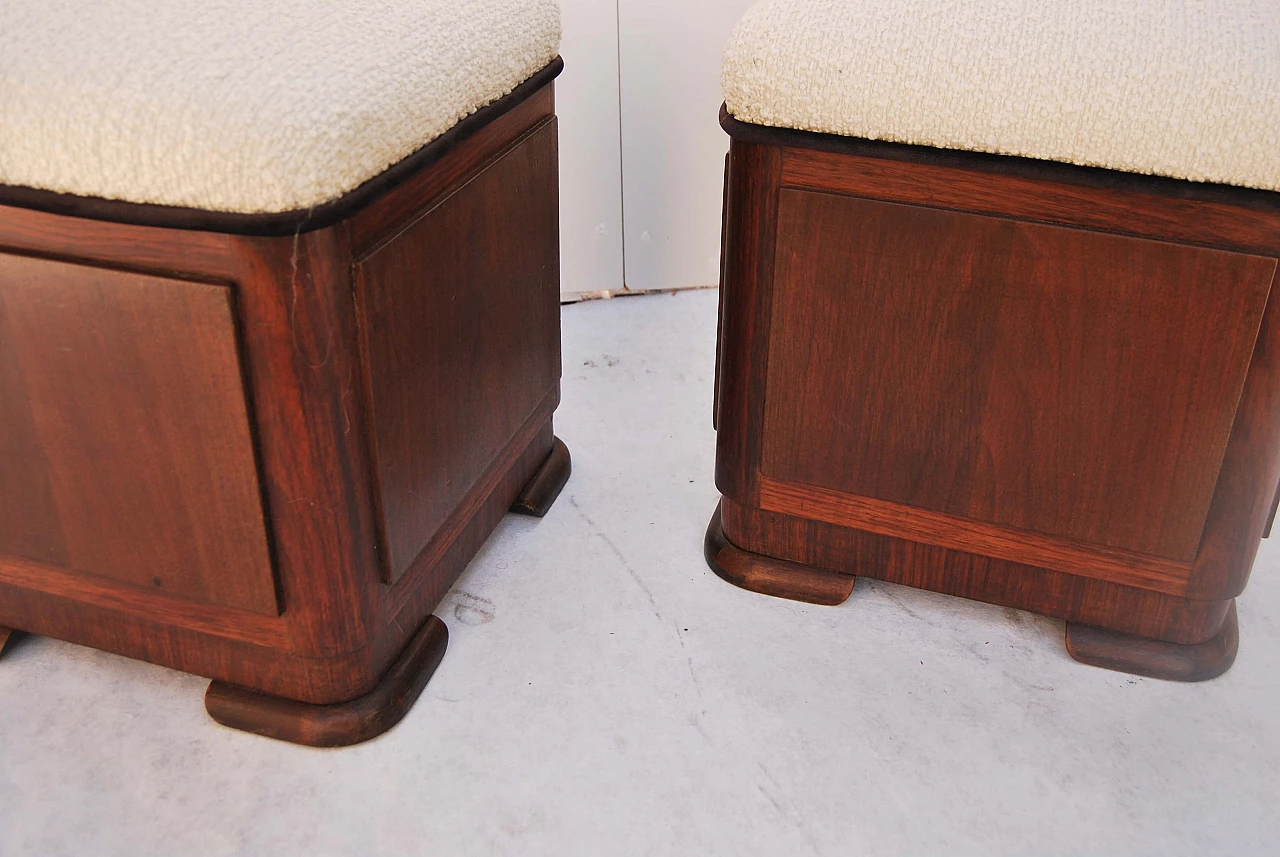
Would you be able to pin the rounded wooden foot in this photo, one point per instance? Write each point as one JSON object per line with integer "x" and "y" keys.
{"x": 544, "y": 487}
{"x": 4, "y": 637}
{"x": 1156, "y": 658}
{"x": 342, "y": 724}
{"x": 771, "y": 576}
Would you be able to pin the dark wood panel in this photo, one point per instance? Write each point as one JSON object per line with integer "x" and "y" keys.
{"x": 746, "y": 293}
{"x": 991, "y": 168}
{"x": 1245, "y": 497}
{"x": 949, "y": 531}
{"x": 1115, "y": 210}
{"x": 135, "y": 603}
{"x": 1053, "y": 380}
{"x": 29, "y": 525}
{"x": 340, "y": 627}
{"x": 460, "y": 329}
{"x": 137, "y": 401}
{"x": 189, "y": 255}
{"x": 1101, "y": 603}
{"x": 485, "y": 145}
{"x": 474, "y": 518}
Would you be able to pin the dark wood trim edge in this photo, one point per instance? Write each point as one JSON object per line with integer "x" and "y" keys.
{"x": 276, "y": 224}
{"x": 540, "y": 492}
{"x": 1009, "y": 165}
{"x": 344, "y": 723}
{"x": 885, "y": 518}
{"x": 768, "y": 576}
{"x": 1155, "y": 658}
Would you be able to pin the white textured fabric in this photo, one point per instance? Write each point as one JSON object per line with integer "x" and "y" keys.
{"x": 1181, "y": 88}
{"x": 247, "y": 105}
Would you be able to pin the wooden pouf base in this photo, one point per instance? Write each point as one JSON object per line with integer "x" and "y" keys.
{"x": 769, "y": 576}
{"x": 1043, "y": 386}
{"x": 341, "y": 724}
{"x": 1130, "y": 653}
{"x": 545, "y": 486}
{"x": 1156, "y": 658}
{"x": 261, "y": 448}
{"x": 370, "y": 715}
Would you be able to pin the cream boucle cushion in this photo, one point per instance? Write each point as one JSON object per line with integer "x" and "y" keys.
{"x": 1181, "y": 88}
{"x": 247, "y": 105}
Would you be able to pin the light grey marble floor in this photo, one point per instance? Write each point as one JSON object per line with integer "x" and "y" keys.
{"x": 604, "y": 693}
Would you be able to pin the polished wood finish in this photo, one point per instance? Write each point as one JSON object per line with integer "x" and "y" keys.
{"x": 960, "y": 533}
{"x": 1073, "y": 597}
{"x": 545, "y": 486}
{"x": 770, "y": 576}
{"x": 442, "y": 338}
{"x": 132, "y": 448}
{"x": 1007, "y": 372}
{"x": 1049, "y": 387}
{"x": 1107, "y": 209}
{"x": 5, "y": 635}
{"x": 1156, "y": 658}
{"x": 341, "y": 724}
{"x": 311, "y": 336}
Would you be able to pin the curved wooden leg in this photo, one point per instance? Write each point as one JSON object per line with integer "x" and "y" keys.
{"x": 344, "y": 723}
{"x": 1156, "y": 658}
{"x": 4, "y": 637}
{"x": 543, "y": 489}
{"x": 771, "y": 576}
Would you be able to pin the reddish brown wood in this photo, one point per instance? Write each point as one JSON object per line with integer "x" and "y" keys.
{"x": 1156, "y": 658}
{"x": 1043, "y": 386}
{"x": 1271, "y": 518}
{"x": 5, "y": 634}
{"x": 960, "y": 533}
{"x": 1073, "y": 597}
{"x": 770, "y": 576}
{"x": 1105, "y": 209}
{"x": 1250, "y": 471}
{"x": 441, "y": 338}
{"x": 744, "y": 332}
{"x": 136, "y": 440}
{"x": 1007, "y": 372}
{"x": 345, "y": 723}
{"x": 542, "y": 490}
{"x": 473, "y": 234}
{"x": 724, "y": 235}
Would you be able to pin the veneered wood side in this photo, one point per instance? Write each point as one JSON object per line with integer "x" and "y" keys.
{"x": 405, "y": 202}
{"x": 29, "y": 525}
{"x": 1245, "y": 497}
{"x": 957, "y": 533}
{"x": 1110, "y": 209}
{"x": 340, "y": 626}
{"x": 1100, "y": 603}
{"x": 132, "y": 432}
{"x": 746, "y": 296}
{"x": 461, "y": 339}
{"x": 1053, "y": 380}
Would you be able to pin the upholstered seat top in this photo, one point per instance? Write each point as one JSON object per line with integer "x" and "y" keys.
{"x": 247, "y": 105}
{"x": 1182, "y": 88}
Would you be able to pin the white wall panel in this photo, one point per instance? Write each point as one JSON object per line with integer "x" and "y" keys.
{"x": 590, "y": 163}
{"x": 672, "y": 146}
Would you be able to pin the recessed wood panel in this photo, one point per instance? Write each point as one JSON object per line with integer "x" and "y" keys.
{"x": 126, "y": 450}
{"x": 461, "y": 337}
{"x": 1055, "y": 380}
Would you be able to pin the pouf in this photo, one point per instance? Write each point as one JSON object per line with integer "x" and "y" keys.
{"x": 279, "y": 334}
{"x": 995, "y": 314}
